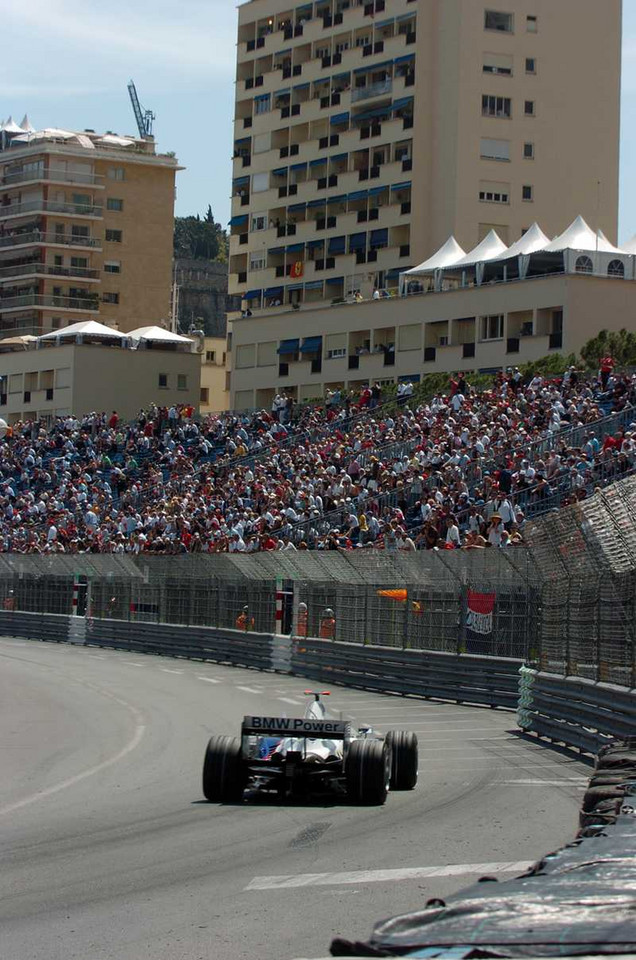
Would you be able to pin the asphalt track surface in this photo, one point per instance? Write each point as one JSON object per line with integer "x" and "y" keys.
{"x": 109, "y": 853}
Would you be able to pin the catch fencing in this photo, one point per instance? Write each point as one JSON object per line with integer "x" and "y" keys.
{"x": 565, "y": 603}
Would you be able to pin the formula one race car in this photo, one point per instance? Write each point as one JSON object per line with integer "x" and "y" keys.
{"x": 295, "y": 756}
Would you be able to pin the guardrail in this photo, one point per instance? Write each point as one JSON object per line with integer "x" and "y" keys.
{"x": 577, "y": 712}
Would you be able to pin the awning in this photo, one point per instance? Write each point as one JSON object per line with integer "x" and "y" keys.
{"x": 317, "y": 163}
{"x": 280, "y": 172}
{"x": 298, "y": 166}
{"x": 296, "y": 207}
{"x": 358, "y": 195}
{"x": 263, "y": 96}
{"x": 311, "y": 345}
{"x": 302, "y": 86}
{"x": 237, "y": 143}
{"x": 373, "y": 67}
{"x": 282, "y": 93}
{"x": 339, "y": 118}
{"x": 406, "y": 59}
{"x": 294, "y": 286}
{"x": 334, "y": 280}
{"x": 241, "y": 181}
{"x": 238, "y": 220}
{"x": 357, "y": 241}
{"x": 336, "y": 245}
{"x": 252, "y": 295}
{"x": 273, "y": 292}
{"x": 317, "y": 203}
{"x": 374, "y": 191}
{"x": 296, "y": 248}
{"x": 338, "y": 156}
{"x": 379, "y": 237}
{"x": 315, "y": 243}
{"x": 314, "y": 285}
{"x": 289, "y": 346}
{"x": 402, "y": 186}
{"x": 276, "y": 250}
{"x": 377, "y": 112}
{"x": 404, "y": 102}
{"x": 341, "y": 198}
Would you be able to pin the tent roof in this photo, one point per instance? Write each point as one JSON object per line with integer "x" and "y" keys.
{"x": 532, "y": 241}
{"x": 87, "y": 327}
{"x": 23, "y": 341}
{"x": 11, "y": 126}
{"x": 158, "y": 334}
{"x": 446, "y": 256}
{"x": 114, "y": 140}
{"x": 26, "y": 124}
{"x": 580, "y": 236}
{"x": 630, "y": 246}
{"x": 491, "y": 248}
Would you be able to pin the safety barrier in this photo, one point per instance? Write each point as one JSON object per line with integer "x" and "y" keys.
{"x": 465, "y": 679}
{"x": 574, "y": 711}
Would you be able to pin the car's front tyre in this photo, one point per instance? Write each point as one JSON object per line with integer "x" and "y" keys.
{"x": 224, "y": 773}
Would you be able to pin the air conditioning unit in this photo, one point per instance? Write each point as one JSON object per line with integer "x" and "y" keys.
{"x": 443, "y": 341}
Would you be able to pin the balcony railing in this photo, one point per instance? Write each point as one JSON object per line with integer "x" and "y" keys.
{"x": 51, "y": 206}
{"x": 36, "y": 267}
{"x": 372, "y": 90}
{"x": 59, "y": 176}
{"x": 44, "y": 300}
{"x": 36, "y": 236}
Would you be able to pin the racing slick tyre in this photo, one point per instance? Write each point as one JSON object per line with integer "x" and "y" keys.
{"x": 368, "y": 771}
{"x": 403, "y": 747}
{"x": 224, "y": 774}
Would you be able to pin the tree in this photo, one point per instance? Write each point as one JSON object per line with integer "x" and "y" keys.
{"x": 621, "y": 346}
{"x": 197, "y": 239}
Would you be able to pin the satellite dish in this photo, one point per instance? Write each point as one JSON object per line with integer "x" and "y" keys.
{"x": 4, "y": 426}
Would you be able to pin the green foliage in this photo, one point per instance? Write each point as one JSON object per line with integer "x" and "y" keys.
{"x": 200, "y": 239}
{"x": 621, "y": 346}
{"x": 552, "y": 365}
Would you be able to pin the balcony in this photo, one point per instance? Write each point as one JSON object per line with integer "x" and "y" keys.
{"x": 47, "y": 301}
{"x": 37, "y": 268}
{"x": 373, "y": 90}
{"x": 18, "y": 177}
{"x": 56, "y": 239}
{"x": 51, "y": 206}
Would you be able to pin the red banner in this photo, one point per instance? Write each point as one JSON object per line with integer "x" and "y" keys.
{"x": 480, "y": 611}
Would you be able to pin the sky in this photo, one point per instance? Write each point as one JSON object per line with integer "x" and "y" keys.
{"x": 67, "y": 63}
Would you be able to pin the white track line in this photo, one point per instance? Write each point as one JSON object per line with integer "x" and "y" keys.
{"x": 384, "y": 876}
{"x": 248, "y": 690}
{"x": 296, "y": 703}
{"x": 210, "y": 679}
{"x": 165, "y": 670}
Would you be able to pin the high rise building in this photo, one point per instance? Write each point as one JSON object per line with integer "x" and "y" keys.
{"x": 368, "y": 132}
{"x": 86, "y": 230}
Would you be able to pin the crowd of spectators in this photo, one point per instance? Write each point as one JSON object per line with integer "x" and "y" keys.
{"x": 461, "y": 469}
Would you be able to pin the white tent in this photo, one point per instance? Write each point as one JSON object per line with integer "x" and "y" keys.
{"x": 113, "y": 140}
{"x": 490, "y": 248}
{"x": 630, "y": 246}
{"x": 580, "y": 236}
{"x": 533, "y": 239}
{"x": 26, "y": 125}
{"x": 11, "y": 126}
{"x": 158, "y": 335}
{"x": 84, "y": 328}
{"x": 446, "y": 256}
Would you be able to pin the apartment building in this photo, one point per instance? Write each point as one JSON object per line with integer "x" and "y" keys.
{"x": 86, "y": 230}
{"x": 366, "y": 133}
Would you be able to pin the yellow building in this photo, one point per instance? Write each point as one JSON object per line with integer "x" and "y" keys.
{"x": 215, "y": 394}
{"x": 88, "y": 366}
{"x": 367, "y": 132}
{"x": 86, "y": 230}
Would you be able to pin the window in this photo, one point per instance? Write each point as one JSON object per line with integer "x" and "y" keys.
{"x": 113, "y": 203}
{"x": 494, "y": 20}
{"x": 616, "y": 268}
{"x": 110, "y": 297}
{"x": 210, "y": 356}
{"x": 257, "y": 260}
{"x": 532, "y": 24}
{"x": 112, "y": 266}
{"x": 490, "y": 192}
{"x": 527, "y": 193}
{"x": 531, "y": 65}
{"x": 260, "y": 182}
{"x": 528, "y": 108}
{"x": 494, "y": 149}
{"x": 259, "y": 221}
{"x": 116, "y": 173}
{"x": 182, "y": 381}
{"x": 59, "y": 260}
{"x": 496, "y": 106}
{"x": 76, "y": 231}
{"x": 262, "y": 104}
{"x": 79, "y": 262}
{"x": 113, "y": 236}
{"x": 584, "y": 265}
{"x": 492, "y": 327}
{"x": 163, "y": 381}
{"x": 204, "y": 396}
{"x": 498, "y": 63}
{"x": 528, "y": 151}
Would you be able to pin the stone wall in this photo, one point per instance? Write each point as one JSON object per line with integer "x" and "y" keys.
{"x": 203, "y": 294}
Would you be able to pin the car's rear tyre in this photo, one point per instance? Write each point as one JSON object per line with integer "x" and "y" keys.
{"x": 224, "y": 773}
{"x": 404, "y": 759}
{"x": 368, "y": 771}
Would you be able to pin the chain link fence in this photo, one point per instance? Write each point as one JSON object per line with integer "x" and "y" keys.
{"x": 566, "y": 602}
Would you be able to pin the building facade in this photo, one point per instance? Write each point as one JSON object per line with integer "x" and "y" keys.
{"x": 215, "y": 395}
{"x": 86, "y": 231}
{"x": 368, "y": 132}
{"x": 203, "y": 301}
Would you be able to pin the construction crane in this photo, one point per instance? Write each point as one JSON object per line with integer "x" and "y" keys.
{"x": 143, "y": 117}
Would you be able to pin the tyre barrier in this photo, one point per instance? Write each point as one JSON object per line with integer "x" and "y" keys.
{"x": 576, "y": 712}
{"x": 574, "y": 902}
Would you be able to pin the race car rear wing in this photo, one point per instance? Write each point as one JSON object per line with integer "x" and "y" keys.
{"x": 296, "y": 727}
